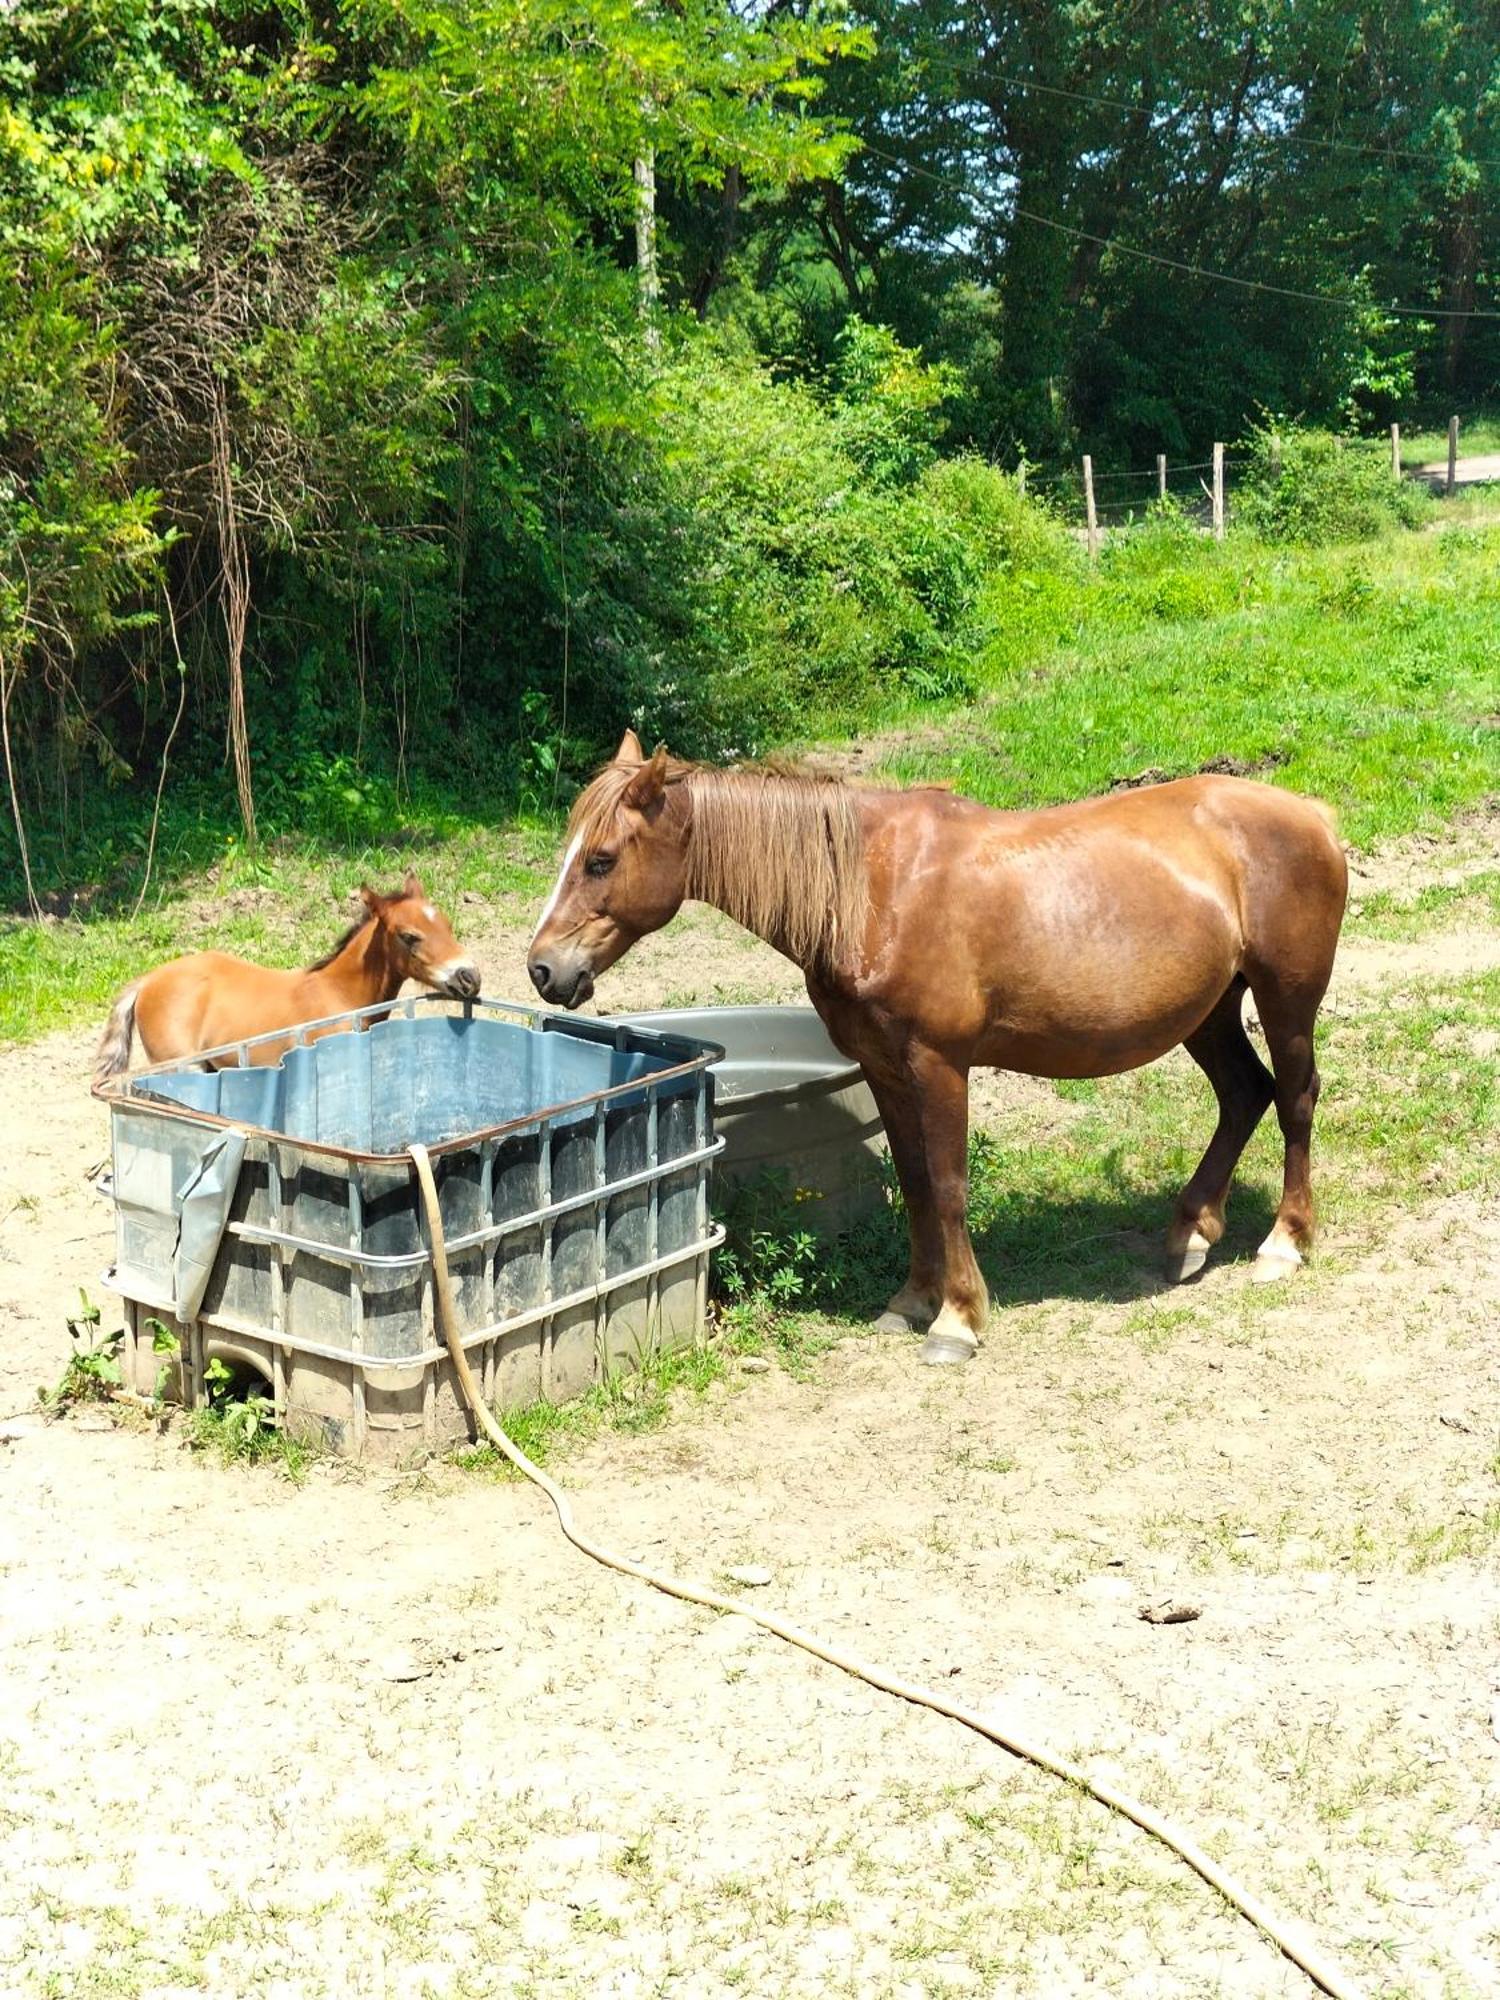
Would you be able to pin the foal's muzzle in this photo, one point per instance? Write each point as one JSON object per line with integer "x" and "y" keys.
{"x": 461, "y": 981}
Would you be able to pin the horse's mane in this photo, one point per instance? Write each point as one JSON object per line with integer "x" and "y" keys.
{"x": 347, "y": 939}
{"x": 777, "y": 846}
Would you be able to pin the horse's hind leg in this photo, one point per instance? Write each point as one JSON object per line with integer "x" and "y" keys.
{"x": 1243, "y": 1086}
{"x": 1287, "y": 1016}
{"x": 915, "y": 1306}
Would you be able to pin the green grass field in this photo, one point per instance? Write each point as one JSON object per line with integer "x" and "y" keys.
{"x": 1367, "y": 675}
{"x": 1477, "y": 435}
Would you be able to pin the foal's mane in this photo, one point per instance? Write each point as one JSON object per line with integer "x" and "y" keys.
{"x": 347, "y": 939}
{"x": 776, "y": 846}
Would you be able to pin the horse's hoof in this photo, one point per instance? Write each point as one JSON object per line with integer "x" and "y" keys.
{"x": 1274, "y": 1264}
{"x": 894, "y": 1322}
{"x": 1186, "y": 1263}
{"x": 907, "y": 1312}
{"x": 941, "y": 1350}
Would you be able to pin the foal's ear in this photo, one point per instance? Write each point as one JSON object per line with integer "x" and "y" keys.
{"x": 645, "y": 790}
{"x": 630, "y": 751}
{"x": 371, "y": 898}
{"x": 411, "y": 886}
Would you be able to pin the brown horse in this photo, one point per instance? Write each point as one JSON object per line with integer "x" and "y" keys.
{"x": 936, "y": 935}
{"x": 209, "y": 999}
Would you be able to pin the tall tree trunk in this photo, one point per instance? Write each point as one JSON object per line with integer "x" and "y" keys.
{"x": 1034, "y": 280}
{"x": 234, "y": 598}
{"x": 1462, "y": 285}
{"x": 712, "y": 274}
{"x": 645, "y": 242}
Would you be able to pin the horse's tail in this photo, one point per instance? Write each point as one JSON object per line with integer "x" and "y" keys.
{"x": 1328, "y": 814}
{"x": 114, "y": 1044}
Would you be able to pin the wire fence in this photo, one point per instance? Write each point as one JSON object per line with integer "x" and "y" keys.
{"x": 1100, "y": 501}
{"x": 1121, "y": 498}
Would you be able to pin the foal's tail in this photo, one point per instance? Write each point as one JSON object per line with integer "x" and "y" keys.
{"x": 1327, "y": 814}
{"x": 114, "y": 1044}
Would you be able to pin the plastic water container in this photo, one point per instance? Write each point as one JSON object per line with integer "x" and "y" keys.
{"x": 269, "y": 1216}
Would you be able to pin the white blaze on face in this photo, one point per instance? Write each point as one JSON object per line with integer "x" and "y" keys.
{"x": 428, "y": 912}
{"x": 562, "y": 875}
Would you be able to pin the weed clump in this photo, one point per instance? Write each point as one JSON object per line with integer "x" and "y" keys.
{"x": 241, "y": 1428}
{"x": 1315, "y": 488}
{"x": 93, "y": 1373}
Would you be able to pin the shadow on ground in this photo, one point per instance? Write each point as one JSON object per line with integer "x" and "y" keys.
{"x": 1104, "y": 1249}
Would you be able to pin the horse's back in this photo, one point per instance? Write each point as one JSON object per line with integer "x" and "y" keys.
{"x": 1270, "y": 857}
{"x": 1274, "y": 856}
{"x": 1180, "y": 805}
{"x": 205, "y": 998}
{"x": 1081, "y": 938}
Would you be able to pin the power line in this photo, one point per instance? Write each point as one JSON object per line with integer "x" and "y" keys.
{"x": 1178, "y": 264}
{"x": 960, "y": 72}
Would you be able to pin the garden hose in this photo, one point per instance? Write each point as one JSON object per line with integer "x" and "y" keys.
{"x": 1302, "y": 1952}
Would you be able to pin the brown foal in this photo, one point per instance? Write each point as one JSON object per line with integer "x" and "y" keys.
{"x": 209, "y": 999}
{"x": 937, "y": 935}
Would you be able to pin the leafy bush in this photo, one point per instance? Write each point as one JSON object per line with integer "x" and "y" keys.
{"x": 1313, "y": 487}
{"x": 1004, "y": 530}
{"x": 755, "y": 548}
{"x": 886, "y": 403}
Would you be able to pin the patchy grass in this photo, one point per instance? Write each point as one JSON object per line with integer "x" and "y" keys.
{"x": 627, "y": 1403}
{"x": 1478, "y": 436}
{"x": 246, "y": 1433}
{"x": 285, "y": 906}
{"x": 1367, "y": 675}
{"x": 1448, "y": 906}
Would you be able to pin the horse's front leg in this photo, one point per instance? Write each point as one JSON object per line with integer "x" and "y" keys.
{"x": 928, "y": 1121}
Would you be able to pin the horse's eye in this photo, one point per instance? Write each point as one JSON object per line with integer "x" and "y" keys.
{"x": 409, "y": 939}
{"x": 599, "y": 864}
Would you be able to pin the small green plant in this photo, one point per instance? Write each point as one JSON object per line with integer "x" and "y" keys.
{"x": 165, "y": 1343}
{"x": 775, "y": 1279}
{"x": 93, "y": 1371}
{"x": 768, "y": 1259}
{"x": 241, "y": 1428}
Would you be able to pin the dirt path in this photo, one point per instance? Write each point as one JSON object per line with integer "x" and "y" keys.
{"x": 389, "y": 1736}
{"x": 1476, "y": 470}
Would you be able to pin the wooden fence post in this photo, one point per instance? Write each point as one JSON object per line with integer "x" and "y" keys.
{"x": 1161, "y": 475}
{"x": 1021, "y": 477}
{"x": 1088, "y": 501}
{"x": 1395, "y": 451}
{"x": 1218, "y": 493}
{"x": 1452, "y": 454}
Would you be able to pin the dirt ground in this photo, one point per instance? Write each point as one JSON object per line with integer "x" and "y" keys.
{"x": 1477, "y": 470}
{"x": 388, "y": 1735}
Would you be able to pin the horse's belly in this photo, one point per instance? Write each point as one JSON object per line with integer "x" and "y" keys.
{"x": 1095, "y": 1014}
{"x": 1063, "y": 1052}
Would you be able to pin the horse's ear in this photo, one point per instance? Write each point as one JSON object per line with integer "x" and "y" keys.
{"x": 630, "y": 751}
{"x": 411, "y": 886}
{"x": 645, "y": 790}
{"x": 370, "y": 898}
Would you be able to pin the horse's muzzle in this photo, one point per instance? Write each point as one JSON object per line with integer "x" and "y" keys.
{"x": 461, "y": 981}
{"x": 561, "y": 985}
